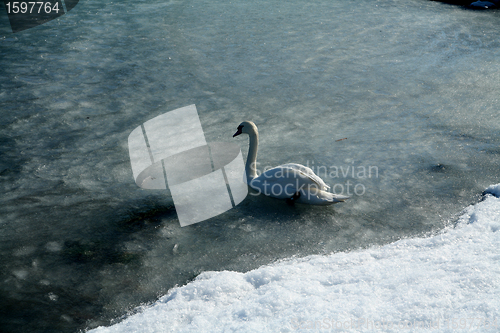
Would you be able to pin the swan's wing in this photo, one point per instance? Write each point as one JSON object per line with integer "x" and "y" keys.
{"x": 307, "y": 172}
{"x": 321, "y": 198}
{"x": 285, "y": 180}
{"x": 289, "y": 176}
{"x": 282, "y": 182}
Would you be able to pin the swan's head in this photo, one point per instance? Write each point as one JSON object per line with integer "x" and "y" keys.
{"x": 247, "y": 127}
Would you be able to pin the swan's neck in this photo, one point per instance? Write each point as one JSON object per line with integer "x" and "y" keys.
{"x": 251, "y": 166}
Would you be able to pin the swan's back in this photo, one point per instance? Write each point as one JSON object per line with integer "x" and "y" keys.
{"x": 307, "y": 172}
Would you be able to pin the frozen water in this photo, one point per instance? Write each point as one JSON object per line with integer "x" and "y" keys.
{"x": 441, "y": 283}
{"x": 412, "y": 85}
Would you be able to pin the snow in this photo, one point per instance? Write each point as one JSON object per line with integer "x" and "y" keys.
{"x": 446, "y": 282}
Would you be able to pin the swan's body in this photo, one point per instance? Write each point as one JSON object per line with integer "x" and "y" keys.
{"x": 294, "y": 182}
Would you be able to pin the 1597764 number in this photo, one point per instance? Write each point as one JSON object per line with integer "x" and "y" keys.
{"x": 23, "y": 7}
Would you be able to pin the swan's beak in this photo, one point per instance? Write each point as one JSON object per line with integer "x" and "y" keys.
{"x": 238, "y": 132}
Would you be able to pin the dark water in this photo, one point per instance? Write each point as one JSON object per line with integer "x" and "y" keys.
{"x": 413, "y": 88}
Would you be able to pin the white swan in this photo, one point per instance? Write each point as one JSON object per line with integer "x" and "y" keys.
{"x": 293, "y": 182}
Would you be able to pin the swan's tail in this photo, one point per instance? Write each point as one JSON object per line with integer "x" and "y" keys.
{"x": 336, "y": 197}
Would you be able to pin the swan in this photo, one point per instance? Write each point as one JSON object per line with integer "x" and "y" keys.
{"x": 293, "y": 182}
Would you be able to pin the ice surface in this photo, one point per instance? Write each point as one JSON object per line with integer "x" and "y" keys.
{"x": 442, "y": 283}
